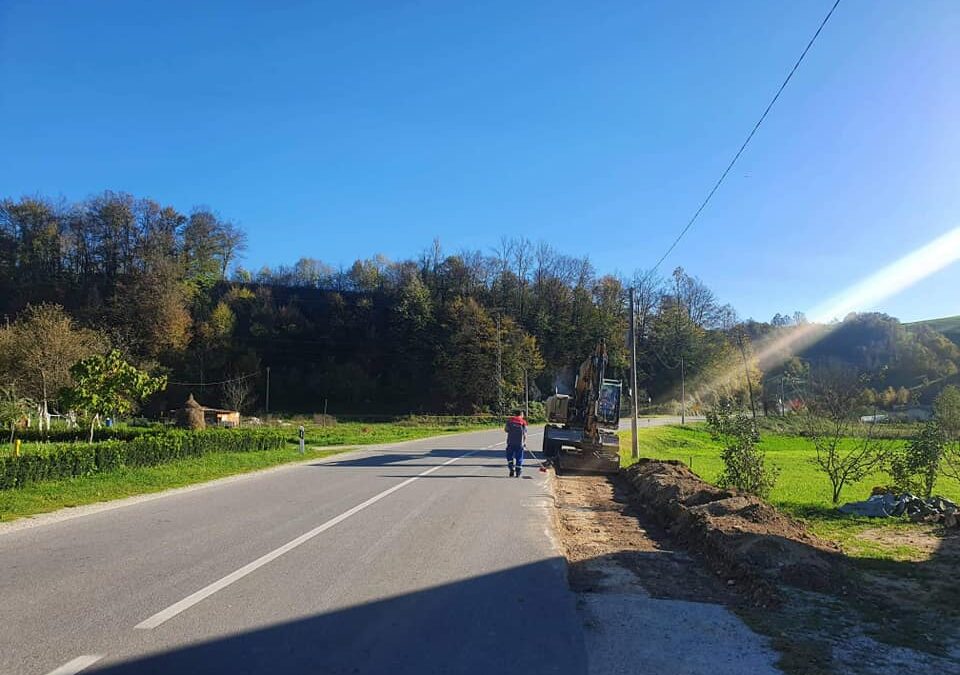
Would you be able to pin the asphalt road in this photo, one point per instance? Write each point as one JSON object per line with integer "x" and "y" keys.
{"x": 420, "y": 557}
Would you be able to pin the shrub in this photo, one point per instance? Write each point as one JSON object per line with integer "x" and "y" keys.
{"x": 55, "y": 461}
{"x": 744, "y": 464}
{"x": 915, "y": 466}
{"x": 67, "y": 435}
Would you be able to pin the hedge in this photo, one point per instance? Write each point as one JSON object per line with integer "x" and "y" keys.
{"x": 56, "y": 461}
{"x": 64, "y": 435}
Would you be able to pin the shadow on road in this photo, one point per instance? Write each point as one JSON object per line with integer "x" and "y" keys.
{"x": 520, "y": 620}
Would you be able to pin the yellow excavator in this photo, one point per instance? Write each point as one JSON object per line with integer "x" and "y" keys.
{"x": 581, "y": 433}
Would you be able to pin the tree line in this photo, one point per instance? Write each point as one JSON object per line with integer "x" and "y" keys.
{"x": 447, "y": 331}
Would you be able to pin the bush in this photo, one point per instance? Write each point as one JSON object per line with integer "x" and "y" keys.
{"x": 915, "y": 466}
{"x": 68, "y": 435}
{"x": 56, "y": 461}
{"x": 744, "y": 464}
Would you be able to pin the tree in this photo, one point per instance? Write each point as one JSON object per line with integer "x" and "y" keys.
{"x": 107, "y": 385}
{"x": 946, "y": 410}
{"x": 37, "y": 351}
{"x": 238, "y": 393}
{"x": 915, "y": 466}
{"x": 13, "y": 408}
{"x": 847, "y": 451}
{"x": 744, "y": 464}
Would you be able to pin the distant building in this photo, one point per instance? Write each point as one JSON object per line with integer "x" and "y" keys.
{"x": 216, "y": 417}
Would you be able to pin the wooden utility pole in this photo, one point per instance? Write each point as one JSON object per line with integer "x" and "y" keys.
{"x": 526, "y": 394}
{"x": 267, "y": 401}
{"x": 635, "y": 443}
{"x": 683, "y": 392}
{"x": 746, "y": 370}
{"x": 499, "y": 369}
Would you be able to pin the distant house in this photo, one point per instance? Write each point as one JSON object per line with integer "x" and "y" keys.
{"x": 916, "y": 414}
{"x": 216, "y": 417}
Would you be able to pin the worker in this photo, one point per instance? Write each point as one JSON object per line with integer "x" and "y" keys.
{"x": 516, "y": 429}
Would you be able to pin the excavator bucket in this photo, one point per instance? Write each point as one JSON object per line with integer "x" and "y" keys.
{"x": 590, "y": 461}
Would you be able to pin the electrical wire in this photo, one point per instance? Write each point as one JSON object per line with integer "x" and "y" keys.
{"x": 213, "y": 384}
{"x": 743, "y": 147}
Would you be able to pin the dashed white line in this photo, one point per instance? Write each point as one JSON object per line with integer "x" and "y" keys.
{"x": 76, "y": 665}
{"x": 205, "y": 592}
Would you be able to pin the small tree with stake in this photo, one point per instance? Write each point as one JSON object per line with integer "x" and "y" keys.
{"x": 107, "y": 384}
{"x": 914, "y": 467}
{"x": 13, "y": 408}
{"x": 947, "y": 412}
{"x": 744, "y": 464}
{"x": 846, "y": 451}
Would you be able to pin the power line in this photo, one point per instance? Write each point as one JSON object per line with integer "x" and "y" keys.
{"x": 212, "y": 384}
{"x": 743, "y": 147}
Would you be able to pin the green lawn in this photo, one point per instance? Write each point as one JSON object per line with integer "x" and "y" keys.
{"x": 360, "y": 433}
{"x": 50, "y": 496}
{"x": 801, "y": 490}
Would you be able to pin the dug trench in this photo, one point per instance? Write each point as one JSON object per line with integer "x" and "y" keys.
{"x": 674, "y": 575}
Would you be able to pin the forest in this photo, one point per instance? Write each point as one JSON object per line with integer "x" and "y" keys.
{"x": 453, "y": 332}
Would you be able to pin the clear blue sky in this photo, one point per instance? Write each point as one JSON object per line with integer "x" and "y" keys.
{"x": 338, "y": 130}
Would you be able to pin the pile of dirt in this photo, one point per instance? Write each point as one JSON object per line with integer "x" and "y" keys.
{"x": 741, "y": 536}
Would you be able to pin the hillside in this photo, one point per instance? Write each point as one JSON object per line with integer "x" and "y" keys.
{"x": 949, "y": 326}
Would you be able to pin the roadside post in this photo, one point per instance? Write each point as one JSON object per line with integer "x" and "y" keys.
{"x": 300, "y": 433}
{"x": 16, "y": 448}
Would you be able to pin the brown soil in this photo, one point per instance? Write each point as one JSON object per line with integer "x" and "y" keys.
{"x": 740, "y": 536}
{"x": 604, "y": 536}
{"x": 924, "y": 539}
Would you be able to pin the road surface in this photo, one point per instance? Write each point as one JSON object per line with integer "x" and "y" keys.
{"x": 421, "y": 557}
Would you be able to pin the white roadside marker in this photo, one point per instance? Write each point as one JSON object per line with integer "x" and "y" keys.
{"x": 205, "y": 592}
{"x": 76, "y": 665}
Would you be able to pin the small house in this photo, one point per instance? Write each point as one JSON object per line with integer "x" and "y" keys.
{"x": 216, "y": 417}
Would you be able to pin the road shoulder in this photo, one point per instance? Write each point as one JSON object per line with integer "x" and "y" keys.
{"x": 641, "y": 599}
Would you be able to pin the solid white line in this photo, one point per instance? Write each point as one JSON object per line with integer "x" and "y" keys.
{"x": 76, "y": 665}
{"x": 189, "y": 601}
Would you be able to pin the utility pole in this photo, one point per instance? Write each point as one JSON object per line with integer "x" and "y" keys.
{"x": 499, "y": 369}
{"x": 633, "y": 374}
{"x": 683, "y": 392}
{"x": 526, "y": 394}
{"x": 782, "y": 412}
{"x": 746, "y": 371}
{"x": 267, "y": 401}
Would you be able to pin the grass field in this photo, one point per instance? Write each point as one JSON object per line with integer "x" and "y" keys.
{"x": 320, "y": 441}
{"x": 361, "y": 433}
{"x": 801, "y": 490}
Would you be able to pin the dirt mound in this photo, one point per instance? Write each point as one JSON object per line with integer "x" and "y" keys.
{"x": 741, "y": 536}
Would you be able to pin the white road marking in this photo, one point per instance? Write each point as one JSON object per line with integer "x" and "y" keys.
{"x": 76, "y": 665}
{"x": 191, "y": 600}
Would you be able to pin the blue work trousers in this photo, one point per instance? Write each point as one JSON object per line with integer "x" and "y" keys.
{"x": 515, "y": 454}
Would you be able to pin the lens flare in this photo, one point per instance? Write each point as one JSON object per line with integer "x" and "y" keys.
{"x": 905, "y": 272}
{"x": 865, "y": 294}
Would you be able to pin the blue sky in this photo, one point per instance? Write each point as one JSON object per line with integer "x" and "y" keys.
{"x": 341, "y": 130}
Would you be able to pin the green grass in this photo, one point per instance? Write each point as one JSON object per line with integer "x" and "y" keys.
{"x": 360, "y": 433}
{"x": 50, "y": 496}
{"x": 801, "y": 490}
{"x": 53, "y": 495}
